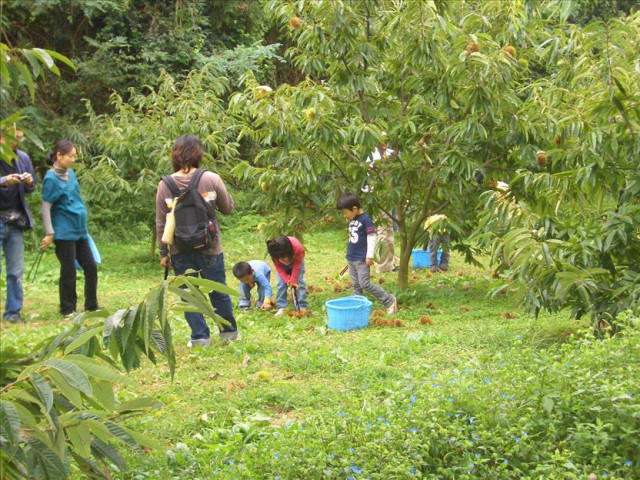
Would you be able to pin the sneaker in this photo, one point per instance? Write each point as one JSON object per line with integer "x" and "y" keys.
{"x": 443, "y": 268}
{"x": 434, "y": 269}
{"x": 69, "y": 316}
{"x": 279, "y": 313}
{"x": 229, "y": 336}
{"x": 393, "y": 308}
{"x": 14, "y": 318}
{"x": 200, "y": 342}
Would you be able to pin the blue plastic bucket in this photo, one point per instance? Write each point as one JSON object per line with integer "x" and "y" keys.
{"x": 420, "y": 258}
{"x": 348, "y": 313}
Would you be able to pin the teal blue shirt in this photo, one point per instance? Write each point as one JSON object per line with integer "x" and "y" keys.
{"x": 68, "y": 213}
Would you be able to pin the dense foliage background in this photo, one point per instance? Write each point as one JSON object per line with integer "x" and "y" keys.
{"x": 518, "y": 120}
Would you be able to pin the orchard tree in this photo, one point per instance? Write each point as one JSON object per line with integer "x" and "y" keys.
{"x": 447, "y": 82}
{"x": 571, "y": 230}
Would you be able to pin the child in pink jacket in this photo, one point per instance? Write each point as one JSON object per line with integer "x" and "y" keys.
{"x": 287, "y": 254}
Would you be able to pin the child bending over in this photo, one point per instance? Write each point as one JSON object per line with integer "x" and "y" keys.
{"x": 250, "y": 274}
{"x": 287, "y": 254}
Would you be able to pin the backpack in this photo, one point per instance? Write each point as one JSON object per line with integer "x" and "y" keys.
{"x": 194, "y": 217}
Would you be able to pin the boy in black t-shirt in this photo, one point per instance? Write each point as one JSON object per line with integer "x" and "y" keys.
{"x": 362, "y": 242}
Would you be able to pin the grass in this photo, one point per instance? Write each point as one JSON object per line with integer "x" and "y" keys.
{"x": 293, "y": 399}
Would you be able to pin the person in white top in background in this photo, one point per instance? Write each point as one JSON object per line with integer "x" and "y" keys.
{"x": 384, "y": 225}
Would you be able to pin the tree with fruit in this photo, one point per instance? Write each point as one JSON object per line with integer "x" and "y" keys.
{"x": 446, "y": 85}
{"x": 470, "y": 93}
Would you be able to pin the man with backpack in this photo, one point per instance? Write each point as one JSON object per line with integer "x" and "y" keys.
{"x": 185, "y": 202}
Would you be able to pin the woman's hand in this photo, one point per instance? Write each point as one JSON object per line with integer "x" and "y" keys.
{"x": 368, "y": 261}
{"x": 46, "y": 241}
{"x": 266, "y": 305}
{"x": 165, "y": 262}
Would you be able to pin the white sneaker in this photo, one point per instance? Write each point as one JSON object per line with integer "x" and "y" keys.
{"x": 393, "y": 308}
{"x": 279, "y": 313}
{"x": 200, "y": 342}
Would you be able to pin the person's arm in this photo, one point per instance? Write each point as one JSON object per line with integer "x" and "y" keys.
{"x": 161, "y": 218}
{"x": 372, "y": 239}
{"x": 280, "y": 269}
{"x": 298, "y": 257}
{"x": 30, "y": 181}
{"x": 265, "y": 284}
{"x": 47, "y": 225}
{"x": 224, "y": 202}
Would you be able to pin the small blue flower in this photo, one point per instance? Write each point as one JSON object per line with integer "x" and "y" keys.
{"x": 413, "y": 399}
{"x": 434, "y": 375}
{"x": 477, "y": 455}
{"x": 351, "y": 449}
{"x": 487, "y": 380}
{"x": 457, "y": 415}
{"x": 517, "y": 439}
{"x": 412, "y": 471}
{"x": 471, "y": 464}
{"x": 501, "y": 364}
{"x": 331, "y": 457}
{"x": 409, "y": 411}
{"x": 472, "y": 442}
{"x": 512, "y": 397}
{"x": 476, "y": 437}
{"x": 413, "y": 430}
{"x": 453, "y": 380}
{"x": 628, "y": 463}
{"x": 387, "y": 422}
{"x": 504, "y": 395}
{"x": 278, "y": 477}
{"x": 435, "y": 385}
{"x": 368, "y": 424}
{"x": 451, "y": 399}
{"x": 351, "y": 478}
{"x": 380, "y": 419}
{"x": 505, "y": 461}
{"x": 230, "y": 462}
{"x": 304, "y": 449}
{"x": 356, "y": 470}
{"x": 276, "y": 456}
{"x": 605, "y": 474}
{"x": 472, "y": 388}
{"x": 230, "y": 467}
{"x": 341, "y": 414}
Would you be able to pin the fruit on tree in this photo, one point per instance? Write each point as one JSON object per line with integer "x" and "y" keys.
{"x": 510, "y": 51}
{"x": 524, "y": 63}
{"x": 295, "y": 23}
{"x": 264, "y": 187}
{"x": 311, "y": 113}
{"x": 473, "y": 47}
{"x": 261, "y": 91}
{"x": 541, "y": 157}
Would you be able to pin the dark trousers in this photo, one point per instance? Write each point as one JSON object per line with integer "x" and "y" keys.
{"x": 68, "y": 251}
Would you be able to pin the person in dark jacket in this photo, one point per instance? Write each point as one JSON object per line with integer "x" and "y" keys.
{"x": 17, "y": 179}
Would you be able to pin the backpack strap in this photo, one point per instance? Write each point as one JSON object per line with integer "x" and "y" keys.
{"x": 195, "y": 179}
{"x": 170, "y": 182}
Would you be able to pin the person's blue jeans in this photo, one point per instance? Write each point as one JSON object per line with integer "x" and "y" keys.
{"x": 245, "y": 291}
{"x": 12, "y": 246}
{"x": 281, "y": 289}
{"x": 210, "y": 267}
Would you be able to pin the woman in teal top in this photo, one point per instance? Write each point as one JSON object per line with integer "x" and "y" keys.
{"x": 64, "y": 217}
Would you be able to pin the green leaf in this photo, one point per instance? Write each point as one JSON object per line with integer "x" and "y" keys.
{"x": 80, "y": 438}
{"x": 10, "y": 421}
{"x": 44, "y": 390}
{"x": 139, "y": 403}
{"x": 207, "y": 285}
{"x": 548, "y": 403}
{"x": 105, "y": 451}
{"x": 83, "y": 338}
{"x": 93, "y": 368}
{"x": 103, "y": 394}
{"x": 72, "y": 373}
{"x": 61, "y": 58}
{"x": 39, "y": 453}
{"x": 71, "y": 393}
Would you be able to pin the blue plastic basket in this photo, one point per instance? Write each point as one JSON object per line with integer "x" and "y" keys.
{"x": 421, "y": 258}
{"x": 348, "y": 313}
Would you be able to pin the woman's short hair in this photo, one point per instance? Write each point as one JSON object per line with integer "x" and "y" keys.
{"x": 186, "y": 153}
{"x": 62, "y": 147}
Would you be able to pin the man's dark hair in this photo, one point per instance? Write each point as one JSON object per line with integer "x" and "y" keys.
{"x": 348, "y": 201}
{"x": 280, "y": 247}
{"x": 242, "y": 269}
